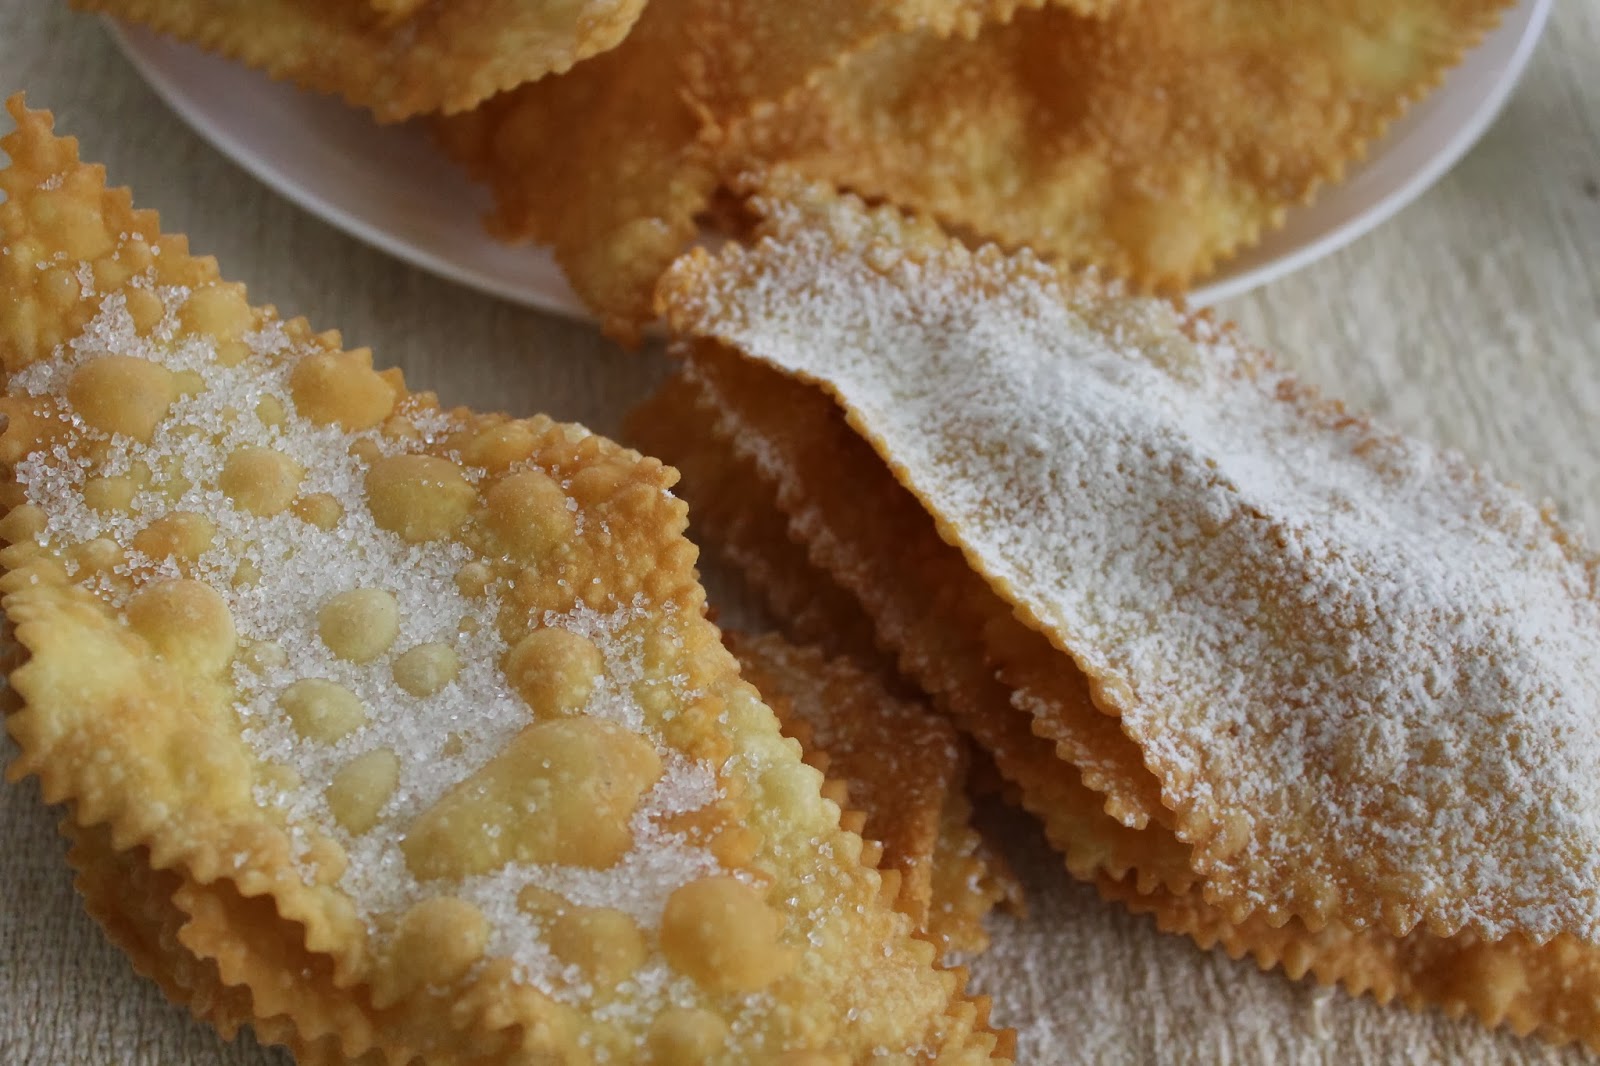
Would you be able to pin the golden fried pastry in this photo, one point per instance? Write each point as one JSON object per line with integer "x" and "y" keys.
{"x": 1314, "y": 635}
{"x": 1153, "y": 141}
{"x": 612, "y": 163}
{"x": 606, "y": 164}
{"x": 398, "y": 58}
{"x": 418, "y": 708}
{"x": 903, "y": 769}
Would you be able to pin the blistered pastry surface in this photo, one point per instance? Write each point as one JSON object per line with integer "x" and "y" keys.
{"x": 435, "y": 686}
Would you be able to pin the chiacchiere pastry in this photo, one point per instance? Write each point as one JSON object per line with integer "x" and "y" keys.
{"x": 397, "y": 58}
{"x": 1152, "y": 139}
{"x": 1294, "y": 684}
{"x": 403, "y": 728}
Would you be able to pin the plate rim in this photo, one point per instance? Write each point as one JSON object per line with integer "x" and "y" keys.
{"x": 1462, "y": 141}
{"x": 562, "y": 301}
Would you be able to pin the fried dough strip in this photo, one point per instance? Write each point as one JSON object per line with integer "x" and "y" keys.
{"x": 398, "y": 59}
{"x": 1318, "y": 632}
{"x": 1549, "y": 990}
{"x": 436, "y": 688}
{"x": 1153, "y": 142}
{"x": 1026, "y": 662}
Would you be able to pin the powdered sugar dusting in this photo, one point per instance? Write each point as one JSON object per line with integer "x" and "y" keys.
{"x": 1365, "y": 664}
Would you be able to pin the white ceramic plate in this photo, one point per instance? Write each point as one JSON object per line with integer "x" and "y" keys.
{"x": 389, "y": 187}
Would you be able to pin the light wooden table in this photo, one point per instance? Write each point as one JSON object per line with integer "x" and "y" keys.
{"x": 1472, "y": 318}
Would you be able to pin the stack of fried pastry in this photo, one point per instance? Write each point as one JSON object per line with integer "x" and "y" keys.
{"x": 899, "y": 770}
{"x": 1291, "y": 683}
{"x": 397, "y": 732}
{"x": 1151, "y": 138}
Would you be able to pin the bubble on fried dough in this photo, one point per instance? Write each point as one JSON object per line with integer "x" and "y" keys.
{"x": 554, "y": 670}
{"x": 222, "y": 312}
{"x": 686, "y": 1036}
{"x": 260, "y": 480}
{"x": 438, "y": 941}
{"x": 360, "y": 789}
{"x": 360, "y": 624}
{"x": 499, "y": 447}
{"x": 182, "y": 535}
{"x": 560, "y": 793}
{"x": 427, "y": 668}
{"x": 420, "y": 497}
{"x": 603, "y": 942}
{"x": 187, "y": 621}
{"x": 122, "y": 394}
{"x": 321, "y": 509}
{"x": 342, "y": 389}
{"x": 322, "y": 710}
{"x": 719, "y": 931}
{"x": 529, "y": 513}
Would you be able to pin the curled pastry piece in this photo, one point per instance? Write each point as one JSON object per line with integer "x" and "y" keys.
{"x": 612, "y": 163}
{"x": 903, "y": 768}
{"x": 1153, "y": 141}
{"x": 397, "y": 58}
{"x": 413, "y": 716}
{"x": 1313, "y": 635}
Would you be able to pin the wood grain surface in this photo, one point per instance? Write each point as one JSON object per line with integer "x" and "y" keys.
{"x": 1472, "y": 318}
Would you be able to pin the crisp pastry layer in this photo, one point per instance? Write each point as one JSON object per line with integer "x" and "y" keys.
{"x": 903, "y": 768}
{"x": 987, "y": 385}
{"x": 397, "y": 58}
{"x": 732, "y": 514}
{"x": 1545, "y": 990}
{"x": 419, "y": 709}
{"x": 1152, "y": 140}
